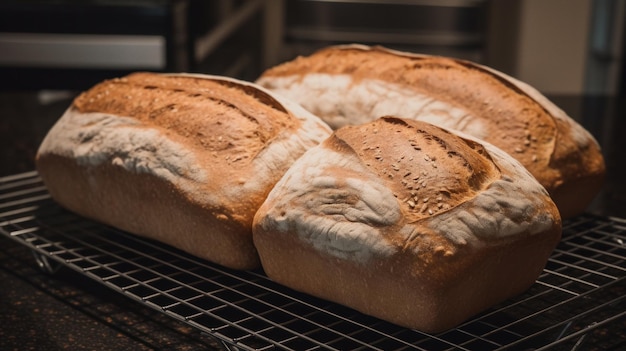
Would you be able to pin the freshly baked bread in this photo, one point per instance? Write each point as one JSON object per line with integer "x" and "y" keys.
{"x": 183, "y": 159}
{"x": 355, "y": 84}
{"x": 407, "y": 222}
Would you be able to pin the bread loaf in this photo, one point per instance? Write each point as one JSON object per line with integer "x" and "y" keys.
{"x": 183, "y": 159}
{"x": 355, "y": 84}
{"x": 407, "y": 222}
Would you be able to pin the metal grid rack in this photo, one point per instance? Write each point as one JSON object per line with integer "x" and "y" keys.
{"x": 581, "y": 292}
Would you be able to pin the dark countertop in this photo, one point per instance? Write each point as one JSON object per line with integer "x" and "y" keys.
{"x": 68, "y": 311}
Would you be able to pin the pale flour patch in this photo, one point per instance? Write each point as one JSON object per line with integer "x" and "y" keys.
{"x": 339, "y": 101}
{"x": 93, "y": 139}
{"x": 333, "y": 202}
{"x": 509, "y": 206}
{"x": 339, "y": 214}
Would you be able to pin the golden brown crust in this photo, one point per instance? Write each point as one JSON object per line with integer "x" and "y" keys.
{"x": 530, "y": 131}
{"x": 413, "y": 160}
{"x": 241, "y": 121}
{"x": 184, "y": 159}
{"x": 553, "y": 148}
{"x": 148, "y": 206}
{"x": 339, "y": 225}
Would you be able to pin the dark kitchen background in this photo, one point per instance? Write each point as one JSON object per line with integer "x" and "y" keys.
{"x": 558, "y": 46}
{"x": 570, "y": 50}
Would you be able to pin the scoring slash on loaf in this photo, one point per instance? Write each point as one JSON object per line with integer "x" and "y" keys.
{"x": 407, "y": 222}
{"x": 354, "y": 84}
{"x": 180, "y": 158}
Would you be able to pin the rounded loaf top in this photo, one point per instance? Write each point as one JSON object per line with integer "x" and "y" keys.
{"x": 213, "y": 114}
{"x": 222, "y": 141}
{"x": 186, "y": 159}
{"x": 407, "y": 222}
{"x": 428, "y": 169}
{"x": 397, "y": 185}
{"x": 355, "y": 84}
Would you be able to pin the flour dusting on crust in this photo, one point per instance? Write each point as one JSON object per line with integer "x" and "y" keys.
{"x": 334, "y": 202}
{"x": 95, "y": 138}
{"x": 341, "y": 214}
{"x": 340, "y": 101}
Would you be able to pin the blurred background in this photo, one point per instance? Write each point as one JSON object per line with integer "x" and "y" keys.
{"x": 559, "y": 46}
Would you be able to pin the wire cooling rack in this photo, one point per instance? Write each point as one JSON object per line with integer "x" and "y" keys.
{"x": 580, "y": 296}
